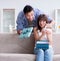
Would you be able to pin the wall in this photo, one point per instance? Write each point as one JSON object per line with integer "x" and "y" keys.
{"x": 48, "y": 6}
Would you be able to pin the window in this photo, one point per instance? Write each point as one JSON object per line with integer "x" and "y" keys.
{"x": 0, "y": 20}
{"x": 7, "y": 22}
{"x": 57, "y": 19}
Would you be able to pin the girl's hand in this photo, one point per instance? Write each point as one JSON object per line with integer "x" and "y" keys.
{"x": 48, "y": 26}
{"x": 48, "y": 31}
{"x": 43, "y": 32}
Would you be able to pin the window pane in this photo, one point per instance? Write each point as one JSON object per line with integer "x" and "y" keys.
{"x": 8, "y": 19}
{"x": 0, "y": 20}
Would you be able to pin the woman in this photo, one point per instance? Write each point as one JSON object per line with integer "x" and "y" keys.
{"x": 43, "y": 33}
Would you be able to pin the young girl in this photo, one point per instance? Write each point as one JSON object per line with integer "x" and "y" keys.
{"x": 43, "y": 33}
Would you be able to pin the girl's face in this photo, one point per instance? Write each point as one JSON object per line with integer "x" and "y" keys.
{"x": 42, "y": 24}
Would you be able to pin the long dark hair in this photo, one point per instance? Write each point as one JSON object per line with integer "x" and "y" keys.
{"x": 41, "y": 17}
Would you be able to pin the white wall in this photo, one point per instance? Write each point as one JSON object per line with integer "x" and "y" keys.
{"x": 48, "y": 6}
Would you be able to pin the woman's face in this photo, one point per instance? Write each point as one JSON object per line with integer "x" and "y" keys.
{"x": 42, "y": 24}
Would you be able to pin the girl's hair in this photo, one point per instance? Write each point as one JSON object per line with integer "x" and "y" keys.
{"x": 41, "y": 17}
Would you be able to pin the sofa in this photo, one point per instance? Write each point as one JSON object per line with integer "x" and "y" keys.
{"x": 13, "y": 48}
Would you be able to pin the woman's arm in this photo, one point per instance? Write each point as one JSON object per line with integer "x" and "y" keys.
{"x": 36, "y": 35}
{"x": 49, "y": 36}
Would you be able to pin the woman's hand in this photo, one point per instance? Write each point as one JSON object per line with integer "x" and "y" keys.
{"x": 43, "y": 32}
{"x": 48, "y": 25}
{"x": 48, "y": 31}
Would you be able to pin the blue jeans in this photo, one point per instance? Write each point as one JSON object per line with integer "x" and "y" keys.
{"x": 42, "y": 55}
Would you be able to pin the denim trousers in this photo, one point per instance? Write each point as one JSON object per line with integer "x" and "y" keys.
{"x": 44, "y": 55}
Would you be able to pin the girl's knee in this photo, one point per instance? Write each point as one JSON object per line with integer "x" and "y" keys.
{"x": 40, "y": 51}
{"x": 50, "y": 50}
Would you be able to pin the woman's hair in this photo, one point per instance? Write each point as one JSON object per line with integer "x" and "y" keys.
{"x": 41, "y": 17}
